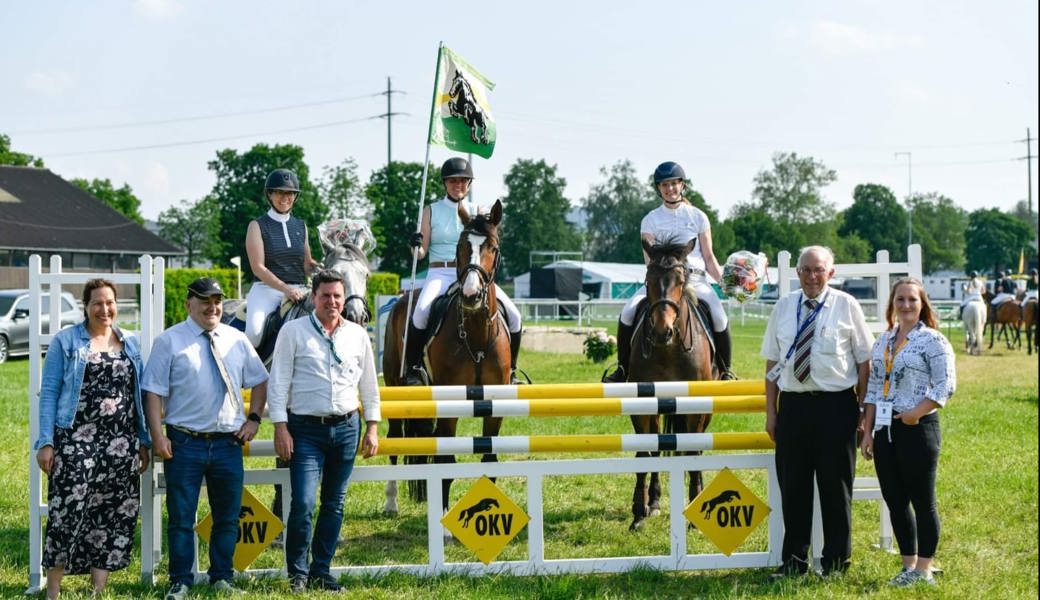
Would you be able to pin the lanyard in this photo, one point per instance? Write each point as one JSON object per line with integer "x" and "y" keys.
{"x": 809, "y": 320}
{"x": 327, "y": 338}
{"x": 891, "y": 352}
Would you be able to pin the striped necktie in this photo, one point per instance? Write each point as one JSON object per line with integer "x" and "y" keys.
{"x": 803, "y": 348}
{"x": 229, "y": 387}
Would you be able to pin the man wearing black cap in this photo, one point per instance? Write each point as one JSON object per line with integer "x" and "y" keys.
{"x": 196, "y": 371}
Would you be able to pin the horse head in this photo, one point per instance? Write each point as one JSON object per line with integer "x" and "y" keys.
{"x": 477, "y": 256}
{"x": 666, "y": 275}
{"x": 347, "y": 244}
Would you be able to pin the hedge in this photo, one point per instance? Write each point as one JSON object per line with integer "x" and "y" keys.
{"x": 177, "y": 280}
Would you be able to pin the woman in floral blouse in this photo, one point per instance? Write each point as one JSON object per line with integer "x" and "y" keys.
{"x": 912, "y": 376}
{"x": 93, "y": 444}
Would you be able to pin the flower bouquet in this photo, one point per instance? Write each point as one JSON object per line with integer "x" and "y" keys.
{"x": 742, "y": 275}
{"x": 599, "y": 346}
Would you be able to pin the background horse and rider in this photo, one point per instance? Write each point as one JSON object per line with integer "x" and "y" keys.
{"x": 1008, "y": 315}
{"x": 467, "y": 345}
{"x": 669, "y": 343}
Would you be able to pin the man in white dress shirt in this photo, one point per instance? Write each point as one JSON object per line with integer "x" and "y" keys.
{"x": 322, "y": 370}
{"x": 817, "y": 348}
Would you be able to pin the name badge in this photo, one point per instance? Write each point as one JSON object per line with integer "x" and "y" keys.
{"x": 883, "y": 415}
{"x": 774, "y": 373}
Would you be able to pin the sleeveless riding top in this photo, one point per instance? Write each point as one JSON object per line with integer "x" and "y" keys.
{"x": 445, "y": 228}
{"x": 284, "y": 257}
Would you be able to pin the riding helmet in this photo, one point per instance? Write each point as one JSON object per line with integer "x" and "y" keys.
{"x": 282, "y": 179}
{"x": 973, "y": 274}
{"x": 456, "y": 167}
{"x": 667, "y": 171}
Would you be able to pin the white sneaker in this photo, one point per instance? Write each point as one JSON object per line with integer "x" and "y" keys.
{"x": 911, "y": 577}
{"x": 177, "y": 591}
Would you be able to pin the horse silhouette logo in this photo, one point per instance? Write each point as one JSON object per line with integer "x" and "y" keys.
{"x": 462, "y": 104}
{"x": 467, "y": 514}
{"x": 723, "y": 498}
{"x": 245, "y": 510}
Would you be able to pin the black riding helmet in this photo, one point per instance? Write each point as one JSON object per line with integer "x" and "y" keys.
{"x": 282, "y": 179}
{"x": 667, "y": 171}
{"x": 456, "y": 167}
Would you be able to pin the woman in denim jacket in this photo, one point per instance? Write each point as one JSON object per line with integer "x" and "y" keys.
{"x": 93, "y": 443}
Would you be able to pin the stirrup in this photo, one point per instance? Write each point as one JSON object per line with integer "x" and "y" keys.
{"x": 727, "y": 375}
{"x": 415, "y": 375}
{"x": 514, "y": 380}
{"x": 618, "y": 376}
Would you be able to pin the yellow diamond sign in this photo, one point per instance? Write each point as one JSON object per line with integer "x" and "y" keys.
{"x": 257, "y": 528}
{"x": 485, "y": 520}
{"x": 726, "y": 511}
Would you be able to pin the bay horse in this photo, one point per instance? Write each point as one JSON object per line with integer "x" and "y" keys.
{"x": 1008, "y": 315}
{"x": 1029, "y": 321}
{"x": 469, "y": 347}
{"x": 974, "y": 319}
{"x": 669, "y": 343}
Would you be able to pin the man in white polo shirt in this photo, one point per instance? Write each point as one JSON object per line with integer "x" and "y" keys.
{"x": 817, "y": 349}
{"x": 322, "y": 371}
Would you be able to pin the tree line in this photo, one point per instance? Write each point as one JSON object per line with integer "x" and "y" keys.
{"x": 786, "y": 211}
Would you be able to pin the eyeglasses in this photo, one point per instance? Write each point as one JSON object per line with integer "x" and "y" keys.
{"x": 817, "y": 271}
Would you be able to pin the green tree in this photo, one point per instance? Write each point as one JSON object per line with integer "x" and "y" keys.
{"x": 192, "y": 226}
{"x": 994, "y": 240}
{"x": 877, "y": 218}
{"x": 340, "y": 190}
{"x": 394, "y": 193}
{"x": 121, "y": 199}
{"x": 759, "y": 232}
{"x": 939, "y": 226}
{"x": 791, "y": 191}
{"x": 239, "y": 196}
{"x": 723, "y": 242}
{"x": 16, "y": 159}
{"x": 614, "y": 210}
{"x": 535, "y": 212}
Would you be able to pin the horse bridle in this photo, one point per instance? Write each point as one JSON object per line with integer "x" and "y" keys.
{"x": 647, "y": 339}
{"x": 487, "y": 279}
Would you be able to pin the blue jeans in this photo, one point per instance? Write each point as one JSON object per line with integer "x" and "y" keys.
{"x": 325, "y": 454}
{"x": 220, "y": 462}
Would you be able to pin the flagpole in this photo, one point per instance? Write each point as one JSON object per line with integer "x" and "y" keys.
{"x": 422, "y": 202}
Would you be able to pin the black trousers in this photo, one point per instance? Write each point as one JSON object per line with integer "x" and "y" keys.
{"x": 906, "y": 470}
{"x": 816, "y": 435}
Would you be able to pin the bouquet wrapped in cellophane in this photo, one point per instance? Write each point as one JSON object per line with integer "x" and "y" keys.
{"x": 743, "y": 274}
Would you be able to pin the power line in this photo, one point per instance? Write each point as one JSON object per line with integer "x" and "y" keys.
{"x": 213, "y": 139}
{"x": 258, "y": 111}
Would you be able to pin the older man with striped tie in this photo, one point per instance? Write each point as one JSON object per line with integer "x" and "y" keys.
{"x": 817, "y": 349}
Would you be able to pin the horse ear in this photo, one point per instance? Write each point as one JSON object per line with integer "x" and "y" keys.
{"x": 496, "y": 213}
{"x": 690, "y": 245}
{"x": 463, "y": 214}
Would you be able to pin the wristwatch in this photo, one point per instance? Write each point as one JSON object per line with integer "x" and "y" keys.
{"x": 254, "y": 418}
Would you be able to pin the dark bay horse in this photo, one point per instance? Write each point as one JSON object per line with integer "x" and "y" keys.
{"x": 668, "y": 344}
{"x": 1029, "y": 321}
{"x": 470, "y": 346}
{"x": 1008, "y": 315}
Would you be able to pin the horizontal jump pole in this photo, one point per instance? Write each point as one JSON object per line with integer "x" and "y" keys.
{"x": 574, "y": 390}
{"x": 572, "y": 407}
{"x": 529, "y": 444}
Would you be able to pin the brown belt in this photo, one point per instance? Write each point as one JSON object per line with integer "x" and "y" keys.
{"x": 448, "y": 264}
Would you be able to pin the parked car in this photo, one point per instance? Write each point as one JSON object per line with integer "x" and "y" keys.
{"x": 14, "y": 319}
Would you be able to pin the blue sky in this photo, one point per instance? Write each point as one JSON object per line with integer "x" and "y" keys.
{"x": 718, "y": 87}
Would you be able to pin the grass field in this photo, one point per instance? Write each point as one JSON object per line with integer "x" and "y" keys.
{"x": 987, "y": 500}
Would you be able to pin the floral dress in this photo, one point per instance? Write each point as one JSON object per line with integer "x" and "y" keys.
{"x": 93, "y": 493}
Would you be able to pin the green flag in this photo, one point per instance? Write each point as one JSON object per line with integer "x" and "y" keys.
{"x": 461, "y": 119}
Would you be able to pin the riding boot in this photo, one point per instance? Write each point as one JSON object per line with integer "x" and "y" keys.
{"x": 413, "y": 356}
{"x": 624, "y": 348}
{"x": 724, "y": 354}
{"x": 514, "y": 350}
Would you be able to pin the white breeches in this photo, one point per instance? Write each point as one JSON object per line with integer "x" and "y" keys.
{"x": 438, "y": 281}
{"x": 704, "y": 293}
{"x": 1001, "y": 298}
{"x": 261, "y": 300}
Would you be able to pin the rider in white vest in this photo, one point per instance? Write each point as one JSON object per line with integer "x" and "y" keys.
{"x": 437, "y": 238}
{"x": 676, "y": 220}
{"x": 972, "y": 290}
